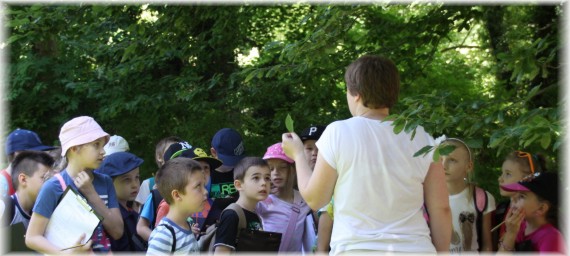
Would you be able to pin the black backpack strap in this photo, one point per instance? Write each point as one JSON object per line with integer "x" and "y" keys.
{"x": 173, "y": 236}
{"x": 479, "y": 222}
{"x": 156, "y": 198}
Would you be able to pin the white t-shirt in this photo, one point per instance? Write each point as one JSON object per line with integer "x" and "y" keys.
{"x": 464, "y": 219}
{"x": 379, "y": 191}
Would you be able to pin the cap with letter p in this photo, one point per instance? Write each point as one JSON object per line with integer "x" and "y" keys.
{"x": 313, "y": 132}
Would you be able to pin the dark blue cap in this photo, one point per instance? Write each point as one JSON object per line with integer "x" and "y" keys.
{"x": 229, "y": 146}
{"x": 313, "y": 132}
{"x": 21, "y": 139}
{"x": 119, "y": 163}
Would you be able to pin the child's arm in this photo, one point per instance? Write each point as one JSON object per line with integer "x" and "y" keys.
{"x": 112, "y": 219}
{"x": 437, "y": 202}
{"x": 36, "y": 241}
{"x": 325, "y": 231}
{"x": 316, "y": 186}
{"x": 487, "y": 239}
{"x": 143, "y": 228}
{"x": 513, "y": 223}
{"x": 222, "y": 250}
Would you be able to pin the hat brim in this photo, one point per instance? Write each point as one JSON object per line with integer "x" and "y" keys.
{"x": 230, "y": 160}
{"x": 42, "y": 148}
{"x": 284, "y": 158}
{"x": 213, "y": 162}
{"x": 93, "y": 136}
{"x": 514, "y": 187}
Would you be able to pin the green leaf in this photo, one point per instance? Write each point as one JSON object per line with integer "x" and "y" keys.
{"x": 289, "y": 123}
{"x": 423, "y": 151}
{"x": 436, "y": 154}
{"x": 545, "y": 141}
{"x": 445, "y": 150}
{"x": 398, "y": 127}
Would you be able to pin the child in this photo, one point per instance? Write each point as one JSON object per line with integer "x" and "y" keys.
{"x": 82, "y": 141}
{"x": 252, "y": 180}
{"x": 310, "y": 136}
{"x": 148, "y": 209}
{"x": 379, "y": 186}
{"x": 184, "y": 149}
{"x": 284, "y": 210}
{"x": 29, "y": 171}
{"x": 471, "y": 229}
{"x": 123, "y": 168}
{"x": 116, "y": 144}
{"x": 180, "y": 181}
{"x": 531, "y": 221}
{"x": 517, "y": 165}
{"x": 16, "y": 142}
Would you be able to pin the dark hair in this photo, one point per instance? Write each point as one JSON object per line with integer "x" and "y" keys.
{"x": 375, "y": 79}
{"x": 27, "y": 162}
{"x": 243, "y": 166}
{"x": 161, "y": 146}
{"x": 175, "y": 175}
{"x": 538, "y": 161}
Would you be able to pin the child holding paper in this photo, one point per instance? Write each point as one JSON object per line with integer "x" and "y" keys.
{"x": 82, "y": 142}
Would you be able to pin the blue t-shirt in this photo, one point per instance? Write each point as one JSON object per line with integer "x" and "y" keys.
{"x": 51, "y": 191}
{"x": 147, "y": 211}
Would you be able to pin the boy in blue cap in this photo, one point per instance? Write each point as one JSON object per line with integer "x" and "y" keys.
{"x": 17, "y": 141}
{"x": 123, "y": 168}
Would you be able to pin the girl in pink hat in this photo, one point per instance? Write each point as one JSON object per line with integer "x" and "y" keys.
{"x": 82, "y": 142}
{"x": 284, "y": 210}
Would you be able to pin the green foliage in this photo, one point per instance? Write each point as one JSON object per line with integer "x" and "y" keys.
{"x": 485, "y": 74}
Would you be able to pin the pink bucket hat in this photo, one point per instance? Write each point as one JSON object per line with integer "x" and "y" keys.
{"x": 276, "y": 151}
{"x": 78, "y": 131}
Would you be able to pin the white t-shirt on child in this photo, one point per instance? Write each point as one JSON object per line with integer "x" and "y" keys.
{"x": 464, "y": 219}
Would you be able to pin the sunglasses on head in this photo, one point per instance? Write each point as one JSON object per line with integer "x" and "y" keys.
{"x": 527, "y": 155}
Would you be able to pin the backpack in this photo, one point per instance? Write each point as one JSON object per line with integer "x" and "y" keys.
{"x": 246, "y": 241}
{"x": 207, "y": 240}
{"x": 9, "y": 211}
{"x": 156, "y": 198}
{"x": 480, "y": 203}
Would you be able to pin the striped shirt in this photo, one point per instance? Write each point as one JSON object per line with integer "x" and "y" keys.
{"x": 160, "y": 241}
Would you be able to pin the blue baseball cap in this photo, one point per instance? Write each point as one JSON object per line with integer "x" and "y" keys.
{"x": 229, "y": 146}
{"x": 119, "y": 163}
{"x": 21, "y": 139}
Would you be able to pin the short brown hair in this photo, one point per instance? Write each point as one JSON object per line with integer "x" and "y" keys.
{"x": 161, "y": 147}
{"x": 27, "y": 162}
{"x": 174, "y": 175}
{"x": 243, "y": 165}
{"x": 375, "y": 79}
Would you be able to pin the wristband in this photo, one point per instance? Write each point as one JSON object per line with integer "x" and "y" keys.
{"x": 502, "y": 245}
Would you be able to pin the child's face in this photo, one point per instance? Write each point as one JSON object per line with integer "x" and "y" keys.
{"x": 206, "y": 167}
{"x": 511, "y": 172}
{"x": 127, "y": 185}
{"x": 255, "y": 185}
{"x": 456, "y": 165}
{"x": 34, "y": 183}
{"x": 527, "y": 201}
{"x": 195, "y": 194}
{"x": 91, "y": 154}
{"x": 311, "y": 152}
{"x": 280, "y": 171}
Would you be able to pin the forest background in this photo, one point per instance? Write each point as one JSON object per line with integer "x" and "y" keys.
{"x": 488, "y": 74}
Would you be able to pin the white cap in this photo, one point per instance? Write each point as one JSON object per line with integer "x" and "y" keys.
{"x": 116, "y": 144}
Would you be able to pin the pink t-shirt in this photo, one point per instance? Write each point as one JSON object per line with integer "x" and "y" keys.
{"x": 545, "y": 239}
